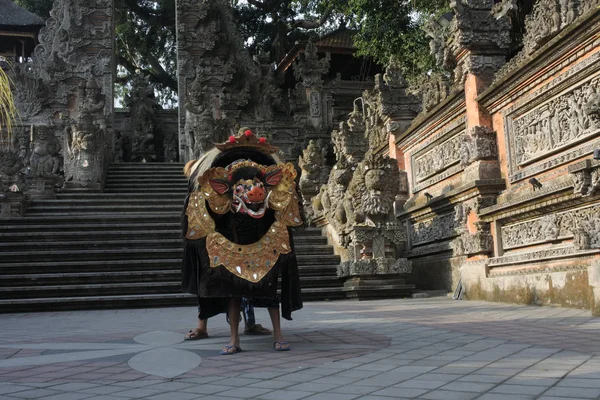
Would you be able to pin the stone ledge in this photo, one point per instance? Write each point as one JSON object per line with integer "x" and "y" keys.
{"x": 490, "y": 186}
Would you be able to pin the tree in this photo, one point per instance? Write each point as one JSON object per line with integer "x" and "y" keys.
{"x": 145, "y": 32}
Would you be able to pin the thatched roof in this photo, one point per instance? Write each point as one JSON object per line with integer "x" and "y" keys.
{"x": 11, "y": 15}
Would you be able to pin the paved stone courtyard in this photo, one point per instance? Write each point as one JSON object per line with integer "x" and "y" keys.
{"x": 415, "y": 348}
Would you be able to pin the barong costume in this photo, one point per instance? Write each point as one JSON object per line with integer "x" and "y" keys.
{"x": 237, "y": 224}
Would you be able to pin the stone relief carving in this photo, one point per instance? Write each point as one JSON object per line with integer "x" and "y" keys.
{"x": 586, "y": 177}
{"x": 374, "y": 266}
{"x": 11, "y": 177}
{"x": 438, "y": 228}
{"x": 84, "y": 140}
{"x": 478, "y": 144}
{"x": 438, "y": 158}
{"x": 480, "y": 242}
{"x": 216, "y": 74}
{"x": 171, "y": 154}
{"x": 432, "y": 89}
{"x": 546, "y": 20}
{"x": 554, "y": 125}
{"x": 142, "y": 105}
{"x": 44, "y": 160}
{"x": 551, "y": 227}
{"x": 310, "y": 68}
{"x": 315, "y": 173}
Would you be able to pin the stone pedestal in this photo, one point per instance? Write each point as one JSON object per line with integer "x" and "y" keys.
{"x": 12, "y": 205}
{"x": 43, "y": 187}
{"x": 377, "y": 287}
{"x": 144, "y": 156}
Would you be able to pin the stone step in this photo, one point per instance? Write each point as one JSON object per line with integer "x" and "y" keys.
{"x": 99, "y": 208}
{"x": 133, "y": 301}
{"x": 169, "y": 200}
{"x": 130, "y": 254}
{"x": 103, "y": 209}
{"x": 145, "y": 166}
{"x": 147, "y": 190}
{"x": 122, "y": 277}
{"x": 89, "y": 277}
{"x": 168, "y": 243}
{"x": 151, "y": 181}
{"x": 91, "y": 255}
{"x": 97, "y": 302}
{"x": 63, "y": 266}
{"x": 114, "y": 196}
{"x": 103, "y": 289}
{"x": 133, "y": 265}
{"x": 84, "y": 229}
{"x": 39, "y": 234}
{"x": 96, "y": 218}
{"x": 157, "y": 183}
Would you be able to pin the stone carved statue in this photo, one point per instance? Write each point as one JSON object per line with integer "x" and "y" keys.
{"x": 10, "y": 172}
{"x": 44, "y": 160}
{"x": 92, "y": 102}
{"x": 313, "y": 166}
{"x": 199, "y": 121}
{"x": 314, "y": 174}
{"x": 373, "y": 189}
{"x": 142, "y": 105}
{"x": 83, "y": 136}
{"x": 170, "y": 149}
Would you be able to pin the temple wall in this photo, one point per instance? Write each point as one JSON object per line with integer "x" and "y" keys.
{"x": 520, "y": 222}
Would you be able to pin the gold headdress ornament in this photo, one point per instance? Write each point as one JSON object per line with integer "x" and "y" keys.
{"x": 246, "y": 138}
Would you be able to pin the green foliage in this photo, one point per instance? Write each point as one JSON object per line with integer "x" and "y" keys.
{"x": 392, "y": 29}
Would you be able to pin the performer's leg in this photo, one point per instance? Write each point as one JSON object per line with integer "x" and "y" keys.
{"x": 280, "y": 344}
{"x": 200, "y": 332}
{"x": 233, "y": 311}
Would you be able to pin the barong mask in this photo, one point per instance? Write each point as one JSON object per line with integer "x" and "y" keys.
{"x": 249, "y": 184}
{"x": 245, "y": 187}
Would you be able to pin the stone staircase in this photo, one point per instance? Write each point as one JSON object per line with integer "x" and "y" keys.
{"x": 121, "y": 248}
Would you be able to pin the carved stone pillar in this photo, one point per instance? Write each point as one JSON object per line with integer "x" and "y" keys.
{"x": 310, "y": 70}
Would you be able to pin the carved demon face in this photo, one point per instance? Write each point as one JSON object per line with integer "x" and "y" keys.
{"x": 249, "y": 188}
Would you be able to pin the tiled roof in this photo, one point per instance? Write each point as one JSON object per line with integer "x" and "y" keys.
{"x": 15, "y": 16}
{"x": 341, "y": 39}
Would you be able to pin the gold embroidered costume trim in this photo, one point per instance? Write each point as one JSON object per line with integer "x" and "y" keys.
{"x": 219, "y": 203}
{"x": 290, "y": 216}
{"x": 251, "y": 262}
{"x": 200, "y": 223}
